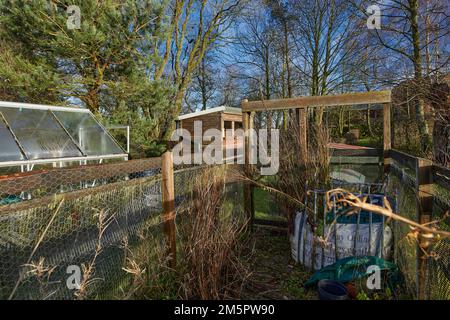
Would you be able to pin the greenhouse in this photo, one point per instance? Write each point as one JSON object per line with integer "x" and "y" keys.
{"x": 33, "y": 134}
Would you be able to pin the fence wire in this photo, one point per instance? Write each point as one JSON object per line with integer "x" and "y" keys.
{"x": 401, "y": 184}
{"x": 41, "y": 242}
{"x": 438, "y": 267}
{"x": 54, "y": 223}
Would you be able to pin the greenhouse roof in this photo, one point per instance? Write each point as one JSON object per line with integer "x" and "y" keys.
{"x": 31, "y": 133}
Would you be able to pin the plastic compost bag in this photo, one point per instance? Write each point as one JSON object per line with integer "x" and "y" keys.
{"x": 349, "y": 236}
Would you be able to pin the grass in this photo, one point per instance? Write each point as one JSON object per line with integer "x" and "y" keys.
{"x": 372, "y": 142}
{"x": 275, "y": 275}
{"x": 265, "y": 206}
{"x": 267, "y": 216}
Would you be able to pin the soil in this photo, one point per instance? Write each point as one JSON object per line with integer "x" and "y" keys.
{"x": 275, "y": 275}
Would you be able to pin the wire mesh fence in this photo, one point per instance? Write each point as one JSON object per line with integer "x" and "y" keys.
{"x": 438, "y": 264}
{"x": 72, "y": 233}
{"x": 405, "y": 251}
{"x": 45, "y": 181}
{"x": 407, "y": 254}
{"x": 42, "y": 240}
{"x": 94, "y": 218}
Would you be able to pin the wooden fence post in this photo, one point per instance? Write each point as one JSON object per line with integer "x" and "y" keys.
{"x": 387, "y": 146}
{"x": 302, "y": 122}
{"x": 168, "y": 197}
{"x": 247, "y": 121}
{"x": 424, "y": 206}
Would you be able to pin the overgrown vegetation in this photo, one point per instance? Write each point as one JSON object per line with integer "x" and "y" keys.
{"x": 302, "y": 169}
{"x": 211, "y": 242}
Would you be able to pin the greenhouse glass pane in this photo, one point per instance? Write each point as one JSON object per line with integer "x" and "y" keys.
{"x": 91, "y": 137}
{"x": 9, "y": 150}
{"x": 40, "y": 135}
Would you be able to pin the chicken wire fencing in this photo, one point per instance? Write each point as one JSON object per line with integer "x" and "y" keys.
{"x": 77, "y": 232}
{"x": 401, "y": 184}
{"x": 438, "y": 264}
{"x": 80, "y": 222}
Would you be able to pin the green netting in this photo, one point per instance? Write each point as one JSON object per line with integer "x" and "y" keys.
{"x": 352, "y": 268}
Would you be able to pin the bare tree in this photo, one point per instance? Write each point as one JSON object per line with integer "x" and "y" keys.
{"x": 326, "y": 36}
{"x": 191, "y": 28}
{"x": 205, "y": 83}
{"x": 411, "y": 30}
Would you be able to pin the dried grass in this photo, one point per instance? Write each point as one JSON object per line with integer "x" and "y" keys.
{"x": 211, "y": 242}
{"x": 299, "y": 172}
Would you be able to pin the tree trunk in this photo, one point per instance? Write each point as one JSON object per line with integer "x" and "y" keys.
{"x": 203, "y": 84}
{"x": 267, "y": 72}
{"x": 286, "y": 57}
{"x": 341, "y": 120}
{"x": 419, "y": 102}
{"x": 369, "y": 124}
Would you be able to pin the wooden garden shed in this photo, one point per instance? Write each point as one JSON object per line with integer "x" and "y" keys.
{"x": 221, "y": 118}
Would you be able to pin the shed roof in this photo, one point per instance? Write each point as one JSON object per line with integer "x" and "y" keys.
{"x": 222, "y": 109}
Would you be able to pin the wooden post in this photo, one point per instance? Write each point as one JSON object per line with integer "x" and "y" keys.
{"x": 302, "y": 122}
{"x": 250, "y": 168}
{"x": 247, "y": 122}
{"x": 424, "y": 199}
{"x": 386, "y": 135}
{"x": 168, "y": 196}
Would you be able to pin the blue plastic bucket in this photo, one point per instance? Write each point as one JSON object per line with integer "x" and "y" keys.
{"x": 332, "y": 290}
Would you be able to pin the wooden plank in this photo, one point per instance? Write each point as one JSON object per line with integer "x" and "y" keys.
{"x": 354, "y": 160}
{"x": 424, "y": 180}
{"x": 386, "y": 134}
{"x": 247, "y": 151}
{"x": 73, "y": 195}
{"x": 232, "y": 117}
{"x": 168, "y": 196}
{"x": 274, "y": 223}
{"x": 403, "y": 159}
{"x": 347, "y": 99}
{"x": 20, "y": 182}
{"x": 357, "y": 152}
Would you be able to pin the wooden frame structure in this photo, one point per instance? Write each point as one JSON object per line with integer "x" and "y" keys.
{"x": 300, "y": 104}
{"x": 346, "y": 99}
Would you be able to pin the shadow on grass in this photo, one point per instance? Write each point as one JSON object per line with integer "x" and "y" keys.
{"x": 275, "y": 275}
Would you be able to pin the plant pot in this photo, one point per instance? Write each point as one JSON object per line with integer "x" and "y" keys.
{"x": 332, "y": 290}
